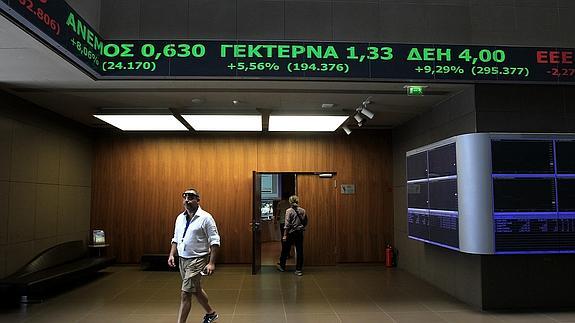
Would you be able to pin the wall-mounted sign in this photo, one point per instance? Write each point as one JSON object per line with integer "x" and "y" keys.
{"x": 347, "y": 188}
{"x": 415, "y": 90}
{"x": 54, "y": 22}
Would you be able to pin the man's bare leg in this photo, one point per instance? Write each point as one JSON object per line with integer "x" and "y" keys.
{"x": 203, "y": 300}
{"x": 185, "y": 307}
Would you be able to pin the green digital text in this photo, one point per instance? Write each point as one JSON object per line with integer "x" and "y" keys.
{"x": 83, "y": 31}
{"x": 278, "y": 51}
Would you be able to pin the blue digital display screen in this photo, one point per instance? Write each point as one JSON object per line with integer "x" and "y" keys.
{"x": 442, "y": 161}
{"x": 522, "y": 157}
{"x": 521, "y": 233}
{"x": 432, "y": 197}
{"x": 417, "y": 166}
{"x": 565, "y": 152}
{"x": 534, "y": 200}
{"x": 524, "y": 194}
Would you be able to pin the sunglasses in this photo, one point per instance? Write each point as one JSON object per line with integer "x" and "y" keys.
{"x": 190, "y": 196}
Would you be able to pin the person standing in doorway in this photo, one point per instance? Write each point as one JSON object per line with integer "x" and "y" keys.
{"x": 295, "y": 224}
{"x": 196, "y": 241}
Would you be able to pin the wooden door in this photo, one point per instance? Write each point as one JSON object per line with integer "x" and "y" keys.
{"x": 317, "y": 197}
{"x": 256, "y": 224}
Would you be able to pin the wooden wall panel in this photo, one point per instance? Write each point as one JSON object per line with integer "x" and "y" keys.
{"x": 364, "y": 223}
{"x": 138, "y": 179}
{"x": 295, "y": 153}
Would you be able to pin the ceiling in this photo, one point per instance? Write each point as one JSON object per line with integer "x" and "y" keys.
{"x": 30, "y": 70}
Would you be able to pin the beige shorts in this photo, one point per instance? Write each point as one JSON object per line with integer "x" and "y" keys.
{"x": 190, "y": 269}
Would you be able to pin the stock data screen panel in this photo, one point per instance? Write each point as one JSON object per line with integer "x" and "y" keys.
{"x": 418, "y": 224}
{"x": 565, "y": 155}
{"x": 566, "y": 194}
{"x": 529, "y": 233}
{"x": 522, "y": 157}
{"x": 68, "y": 34}
{"x": 442, "y": 161}
{"x": 531, "y": 186}
{"x": 443, "y": 195}
{"x": 336, "y": 60}
{"x": 417, "y": 195}
{"x": 534, "y": 233}
{"x": 432, "y": 196}
{"x": 443, "y": 229}
{"x": 524, "y": 195}
{"x": 417, "y": 166}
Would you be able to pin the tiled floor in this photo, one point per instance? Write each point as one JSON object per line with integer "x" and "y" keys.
{"x": 271, "y": 252}
{"x": 349, "y": 293}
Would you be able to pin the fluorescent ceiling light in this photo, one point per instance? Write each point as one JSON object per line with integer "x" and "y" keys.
{"x": 224, "y": 122}
{"x": 137, "y": 122}
{"x": 305, "y": 123}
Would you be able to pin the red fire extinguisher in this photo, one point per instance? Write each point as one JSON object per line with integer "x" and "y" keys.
{"x": 389, "y": 256}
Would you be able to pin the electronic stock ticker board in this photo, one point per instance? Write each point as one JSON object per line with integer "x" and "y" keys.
{"x": 55, "y": 23}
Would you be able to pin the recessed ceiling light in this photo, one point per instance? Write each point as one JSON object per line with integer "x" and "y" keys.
{"x": 133, "y": 122}
{"x": 197, "y": 100}
{"x": 327, "y": 105}
{"x": 305, "y": 123}
{"x": 224, "y": 122}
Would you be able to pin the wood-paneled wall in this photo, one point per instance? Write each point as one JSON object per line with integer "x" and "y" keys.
{"x": 138, "y": 180}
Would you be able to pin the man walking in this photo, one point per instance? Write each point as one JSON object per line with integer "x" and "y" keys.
{"x": 295, "y": 224}
{"x": 196, "y": 240}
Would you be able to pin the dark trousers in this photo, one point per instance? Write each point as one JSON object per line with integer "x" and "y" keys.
{"x": 296, "y": 238}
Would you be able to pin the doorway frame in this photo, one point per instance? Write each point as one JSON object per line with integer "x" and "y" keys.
{"x": 256, "y": 213}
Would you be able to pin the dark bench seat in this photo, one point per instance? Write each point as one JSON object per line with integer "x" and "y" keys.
{"x": 157, "y": 262}
{"x": 51, "y": 270}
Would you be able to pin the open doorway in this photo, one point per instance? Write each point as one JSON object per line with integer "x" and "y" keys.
{"x": 316, "y": 192}
{"x": 276, "y": 190}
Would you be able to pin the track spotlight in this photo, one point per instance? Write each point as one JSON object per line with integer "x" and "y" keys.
{"x": 366, "y": 112}
{"x": 361, "y": 114}
{"x": 346, "y": 129}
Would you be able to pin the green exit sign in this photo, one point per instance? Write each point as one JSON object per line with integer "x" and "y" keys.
{"x": 415, "y": 90}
